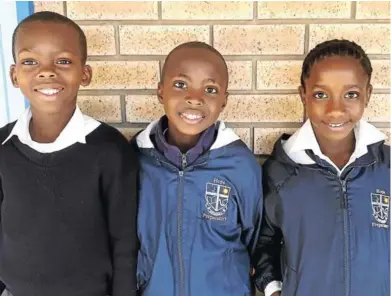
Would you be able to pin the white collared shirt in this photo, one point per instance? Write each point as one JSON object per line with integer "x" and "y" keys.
{"x": 78, "y": 127}
{"x": 304, "y": 139}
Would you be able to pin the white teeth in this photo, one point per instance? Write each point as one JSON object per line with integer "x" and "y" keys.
{"x": 49, "y": 92}
{"x": 336, "y": 124}
{"x": 191, "y": 116}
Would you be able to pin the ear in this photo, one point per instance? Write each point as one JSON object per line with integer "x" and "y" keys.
{"x": 225, "y": 101}
{"x": 86, "y": 76}
{"x": 302, "y": 94}
{"x": 13, "y": 76}
{"x": 160, "y": 92}
{"x": 369, "y": 93}
{"x": 302, "y": 97}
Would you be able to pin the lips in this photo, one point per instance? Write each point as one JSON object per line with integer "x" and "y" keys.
{"x": 49, "y": 89}
{"x": 337, "y": 125}
{"x": 192, "y": 116}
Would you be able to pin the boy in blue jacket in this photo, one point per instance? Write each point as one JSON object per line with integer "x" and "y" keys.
{"x": 327, "y": 188}
{"x": 200, "y": 186}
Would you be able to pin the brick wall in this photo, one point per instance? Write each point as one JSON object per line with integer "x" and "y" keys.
{"x": 264, "y": 44}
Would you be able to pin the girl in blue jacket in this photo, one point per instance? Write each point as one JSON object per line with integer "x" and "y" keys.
{"x": 326, "y": 208}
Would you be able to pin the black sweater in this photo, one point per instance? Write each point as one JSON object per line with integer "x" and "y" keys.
{"x": 68, "y": 218}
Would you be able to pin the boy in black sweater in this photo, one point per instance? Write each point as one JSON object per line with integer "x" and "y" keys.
{"x": 67, "y": 182}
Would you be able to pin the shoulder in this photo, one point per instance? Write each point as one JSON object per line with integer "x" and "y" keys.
{"x": 114, "y": 146}
{"x": 381, "y": 152}
{"x": 5, "y": 131}
{"x": 277, "y": 173}
{"x": 238, "y": 153}
{"x": 238, "y": 163}
{"x": 385, "y": 154}
{"x": 105, "y": 133}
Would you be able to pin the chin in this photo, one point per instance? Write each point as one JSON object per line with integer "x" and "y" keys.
{"x": 191, "y": 132}
{"x": 337, "y": 137}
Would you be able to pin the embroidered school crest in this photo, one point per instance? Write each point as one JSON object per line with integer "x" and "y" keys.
{"x": 216, "y": 201}
{"x": 380, "y": 208}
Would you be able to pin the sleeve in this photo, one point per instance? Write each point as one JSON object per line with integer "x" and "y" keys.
{"x": 267, "y": 263}
{"x": 119, "y": 186}
{"x": 2, "y": 285}
{"x": 272, "y": 287}
{"x": 251, "y": 212}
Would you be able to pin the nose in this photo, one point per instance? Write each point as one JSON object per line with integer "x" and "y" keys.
{"x": 335, "y": 107}
{"x": 194, "y": 101}
{"x": 47, "y": 72}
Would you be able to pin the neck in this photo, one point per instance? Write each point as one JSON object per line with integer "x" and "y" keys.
{"x": 45, "y": 128}
{"x": 338, "y": 151}
{"x": 183, "y": 142}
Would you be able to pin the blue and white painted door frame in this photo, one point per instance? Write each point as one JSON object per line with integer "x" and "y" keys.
{"x": 12, "y": 102}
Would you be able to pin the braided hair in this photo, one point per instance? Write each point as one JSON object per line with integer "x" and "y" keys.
{"x": 331, "y": 48}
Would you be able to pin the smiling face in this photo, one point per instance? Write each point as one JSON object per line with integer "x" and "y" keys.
{"x": 335, "y": 96}
{"x": 193, "y": 91}
{"x": 49, "y": 66}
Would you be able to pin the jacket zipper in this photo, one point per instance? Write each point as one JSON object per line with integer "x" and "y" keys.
{"x": 179, "y": 227}
{"x": 179, "y": 214}
{"x": 345, "y": 222}
{"x": 344, "y": 204}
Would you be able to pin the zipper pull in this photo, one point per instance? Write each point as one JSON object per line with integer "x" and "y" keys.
{"x": 344, "y": 187}
{"x": 184, "y": 161}
{"x": 344, "y": 197}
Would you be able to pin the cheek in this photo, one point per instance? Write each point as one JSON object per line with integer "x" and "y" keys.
{"x": 73, "y": 78}
{"x": 215, "y": 103}
{"x": 314, "y": 110}
{"x": 169, "y": 107}
{"x": 23, "y": 79}
{"x": 172, "y": 95}
{"x": 358, "y": 110}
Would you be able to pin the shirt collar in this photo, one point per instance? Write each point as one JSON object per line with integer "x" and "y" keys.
{"x": 304, "y": 139}
{"x": 73, "y": 132}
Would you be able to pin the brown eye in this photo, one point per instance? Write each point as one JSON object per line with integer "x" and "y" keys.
{"x": 29, "y": 62}
{"x": 352, "y": 95}
{"x": 63, "y": 62}
{"x": 320, "y": 95}
{"x": 211, "y": 90}
{"x": 180, "y": 84}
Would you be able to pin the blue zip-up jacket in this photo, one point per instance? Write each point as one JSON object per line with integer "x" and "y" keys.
{"x": 333, "y": 230}
{"x": 198, "y": 223}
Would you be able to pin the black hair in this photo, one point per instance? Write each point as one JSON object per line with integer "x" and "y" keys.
{"x": 194, "y": 44}
{"x": 52, "y": 17}
{"x": 335, "y": 47}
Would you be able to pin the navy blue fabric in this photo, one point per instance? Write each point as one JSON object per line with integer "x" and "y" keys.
{"x": 193, "y": 243}
{"x": 336, "y": 237}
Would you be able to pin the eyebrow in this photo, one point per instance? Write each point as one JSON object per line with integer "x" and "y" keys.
{"x": 24, "y": 50}
{"x": 346, "y": 86}
{"x": 188, "y": 78}
{"x": 352, "y": 86}
{"x": 29, "y": 50}
{"x": 184, "y": 76}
